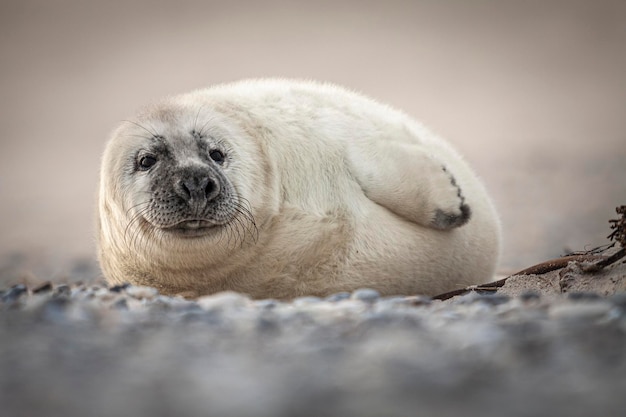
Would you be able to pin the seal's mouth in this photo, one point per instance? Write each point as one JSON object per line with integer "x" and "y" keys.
{"x": 192, "y": 228}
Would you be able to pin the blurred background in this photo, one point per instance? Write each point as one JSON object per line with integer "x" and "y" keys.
{"x": 532, "y": 92}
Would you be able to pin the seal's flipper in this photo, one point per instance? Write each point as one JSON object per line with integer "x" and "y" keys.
{"x": 410, "y": 182}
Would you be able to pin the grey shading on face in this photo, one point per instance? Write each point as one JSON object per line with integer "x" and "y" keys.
{"x": 189, "y": 191}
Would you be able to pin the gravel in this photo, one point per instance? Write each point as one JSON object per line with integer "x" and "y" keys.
{"x": 89, "y": 350}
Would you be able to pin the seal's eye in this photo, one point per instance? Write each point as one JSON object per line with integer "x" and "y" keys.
{"x": 217, "y": 156}
{"x": 146, "y": 162}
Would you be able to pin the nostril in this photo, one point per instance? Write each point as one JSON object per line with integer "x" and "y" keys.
{"x": 185, "y": 189}
{"x": 210, "y": 187}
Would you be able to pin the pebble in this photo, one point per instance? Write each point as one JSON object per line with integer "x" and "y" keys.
{"x": 367, "y": 295}
{"x": 583, "y": 296}
{"x": 142, "y": 293}
{"x": 45, "y": 287}
{"x": 493, "y": 299}
{"x": 409, "y": 301}
{"x": 62, "y": 290}
{"x": 267, "y": 304}
{"x": 303, "y": 301}
{"x": 174, "y": 304}
{"x": 14, "y": 293}
{"x": 530, "y": 296}
{"x": 590, "y": 310}
{"x": 338, "y": 297}
{"x": 119, "y": 288}
{"x": 224, "y": 300}
{"x": 121, "y": 304}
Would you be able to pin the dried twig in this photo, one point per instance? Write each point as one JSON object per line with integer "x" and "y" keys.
{"x": 619, "y": 227}
{"x": 617, "y": 235}
{"x": 599, "y": 261}
{"x": 539, "y": 269}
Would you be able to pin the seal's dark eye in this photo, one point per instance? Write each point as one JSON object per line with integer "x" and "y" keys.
{"x": 217, "y": 156}
{"x": 146, "y": 162}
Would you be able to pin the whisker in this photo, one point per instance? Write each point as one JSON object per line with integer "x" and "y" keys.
{"x": 135, "y": 206}
{"x": 247, "y": 209}
{"x": 132, "y": 220}
{"x": 204, "y": 126}
{"x": 152, "y": 132}
{"x": 246, "y": 220}
{"x": 195, "y": 122}
{"x": 136, "y": 136}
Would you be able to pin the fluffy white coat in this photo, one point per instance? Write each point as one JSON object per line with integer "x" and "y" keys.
{"x": 345, "y": 193}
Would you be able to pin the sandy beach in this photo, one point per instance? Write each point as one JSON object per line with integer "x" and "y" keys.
{"x": 533, "y": 95}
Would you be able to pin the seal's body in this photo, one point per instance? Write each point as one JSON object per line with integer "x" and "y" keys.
{"x": 279, "y": 189}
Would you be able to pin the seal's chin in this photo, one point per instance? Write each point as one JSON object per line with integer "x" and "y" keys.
{"x": 192, "y": 228}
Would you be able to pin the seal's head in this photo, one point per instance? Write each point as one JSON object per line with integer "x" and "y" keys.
{"x": 175, "y": 194}
{"x": 179, "y": 185}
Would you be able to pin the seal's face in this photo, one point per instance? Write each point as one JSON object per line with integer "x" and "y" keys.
{"x": 173, "y": 177}
{"x": 186, "y": 190}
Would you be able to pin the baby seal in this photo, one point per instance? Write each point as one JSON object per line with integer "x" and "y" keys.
{"x": 279, "y": 189}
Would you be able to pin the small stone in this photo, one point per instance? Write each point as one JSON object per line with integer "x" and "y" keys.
{"x": 530, "y": 296}
{"x": 160, "y": 303}
{"x": 333, "y": 298}
{"x": 142, "y": 293}
{"x": 367, "y": 295}
{"x": 120, "y": 304}
{"x": 583, "y": 296}
{"x": 467, "y": 298}
{"x": 477, "y": 296}
{"x": 62, "y": 290}
{"x": 119, "y": 288}
{"x": 418, "y": 300}
{"x": 303, "y": 301}
{"x": 223, "y": 300}
{"x": 493, "y": 299}
{"x": 175, "y": 304}
{"x": 185, "y": 306}
{"x": 580, "y": 311}
{"x": 267, "y": 304}
{"x": 409, "y": 301}
{"x": 14, "y": 293}
{"x": 45, "y": 287}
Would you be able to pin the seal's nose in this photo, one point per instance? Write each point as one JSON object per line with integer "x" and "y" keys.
{"x": 197, "y": 187}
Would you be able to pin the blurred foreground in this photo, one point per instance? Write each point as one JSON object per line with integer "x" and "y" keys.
{"x": 88, "y": 350}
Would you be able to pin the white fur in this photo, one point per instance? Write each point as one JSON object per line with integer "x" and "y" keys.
{"x": 343, "y": 190}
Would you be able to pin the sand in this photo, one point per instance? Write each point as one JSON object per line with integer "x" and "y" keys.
{"x": 550, "y": 344}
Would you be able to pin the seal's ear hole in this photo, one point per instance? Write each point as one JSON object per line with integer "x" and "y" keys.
{"x": 146, "y": 162}
{"x": 217, "y": 156}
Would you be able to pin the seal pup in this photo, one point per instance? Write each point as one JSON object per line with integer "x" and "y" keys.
{"x": 282, "y": 188}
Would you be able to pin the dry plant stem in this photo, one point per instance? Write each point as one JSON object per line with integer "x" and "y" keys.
{"x": 608, "y": 260}
{"x": 558, "y": 263}
{"x": 539, "y": 269}
{"x": 619, "y": 227}
{"x": 593, "y": 263}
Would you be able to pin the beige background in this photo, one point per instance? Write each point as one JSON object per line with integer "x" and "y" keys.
{"x": 532, "y": 92}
